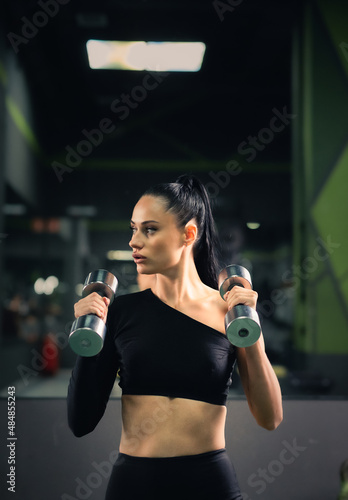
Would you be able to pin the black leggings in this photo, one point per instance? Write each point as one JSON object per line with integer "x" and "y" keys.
{"x": 207, "y": 476}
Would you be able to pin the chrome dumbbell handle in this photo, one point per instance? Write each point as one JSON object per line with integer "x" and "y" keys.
{"x": 234, "y": 276}
{"x": 88, "y": 332}
{"x": 102, "y": 282}
{"x": 242, "y": 323}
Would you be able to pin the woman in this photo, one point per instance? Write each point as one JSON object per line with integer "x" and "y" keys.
{"x": 174, "y": 357}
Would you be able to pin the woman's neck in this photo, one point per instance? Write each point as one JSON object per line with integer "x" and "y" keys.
{"x": 180, "y": 285}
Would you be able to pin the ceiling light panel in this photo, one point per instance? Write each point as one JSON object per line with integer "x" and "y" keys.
{"x": 145, "y": 56}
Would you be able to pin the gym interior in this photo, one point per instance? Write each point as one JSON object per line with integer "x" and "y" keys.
{"x": 263, "y": 123}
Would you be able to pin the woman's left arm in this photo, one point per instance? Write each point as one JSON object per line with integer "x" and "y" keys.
{"x": 259, "y": 381}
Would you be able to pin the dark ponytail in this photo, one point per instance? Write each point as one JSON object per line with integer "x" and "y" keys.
{"x": 188, "y": 199}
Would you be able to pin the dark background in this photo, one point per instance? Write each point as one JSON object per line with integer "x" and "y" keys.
{"x": 66, "y": 202}
{"x": 262, "y": 59}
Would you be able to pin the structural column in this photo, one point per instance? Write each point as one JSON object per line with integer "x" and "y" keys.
{"x": 2, "y": 170}
{"x": 320, "y": 159}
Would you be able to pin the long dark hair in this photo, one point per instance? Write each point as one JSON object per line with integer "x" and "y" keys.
{"x": 188, "y": 199}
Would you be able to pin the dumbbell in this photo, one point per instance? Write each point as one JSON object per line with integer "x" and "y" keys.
{"x": 88, "y": 332}
{"x": 242, "y": 323}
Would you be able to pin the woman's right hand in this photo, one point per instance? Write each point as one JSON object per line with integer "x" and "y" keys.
{"x": 92, "y": 304}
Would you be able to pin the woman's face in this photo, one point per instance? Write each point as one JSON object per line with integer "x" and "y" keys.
{"x": 157, "y": 243}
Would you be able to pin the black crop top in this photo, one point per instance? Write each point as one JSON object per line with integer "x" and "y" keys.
{"x": 159, "y": 351}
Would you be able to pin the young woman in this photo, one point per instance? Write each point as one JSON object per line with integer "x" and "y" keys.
{"x": 174, "y": 358}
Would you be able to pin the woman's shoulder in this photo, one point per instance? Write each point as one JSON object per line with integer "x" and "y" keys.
{"x": 125, "y": 305}
{"x": 214, "y": 304}
{"x": 215, "y": 298}
{"x": 129, "y": 299}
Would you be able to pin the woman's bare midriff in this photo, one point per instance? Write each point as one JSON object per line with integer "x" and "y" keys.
{"x": 158, "y": 426}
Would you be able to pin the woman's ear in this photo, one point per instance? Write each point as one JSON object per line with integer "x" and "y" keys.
{"x": 191, "y": 232}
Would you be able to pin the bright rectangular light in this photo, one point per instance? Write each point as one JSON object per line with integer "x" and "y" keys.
{"x": 119, "y": 255}
{"x": 145, "y": 56}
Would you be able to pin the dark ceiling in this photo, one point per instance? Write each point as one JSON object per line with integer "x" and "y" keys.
{"x": 191, "y": 122}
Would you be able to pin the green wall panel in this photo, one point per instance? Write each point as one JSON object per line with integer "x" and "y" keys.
{"x": 330, "y": 213}
{"x": 344, "y": 288}
{"x": 321, "y": 181}
{"x": 329, "y": 87}
{"x": 335, "y": 15}
{"x": 331, "y": 326}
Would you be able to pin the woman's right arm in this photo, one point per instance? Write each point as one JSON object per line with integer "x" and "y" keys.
{"x": 92, "y": 378}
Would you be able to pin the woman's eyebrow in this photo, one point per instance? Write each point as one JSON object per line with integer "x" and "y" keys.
{"x": 146, "y": 222}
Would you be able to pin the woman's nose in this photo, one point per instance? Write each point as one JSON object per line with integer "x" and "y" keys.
{"x": 135, "y": 242}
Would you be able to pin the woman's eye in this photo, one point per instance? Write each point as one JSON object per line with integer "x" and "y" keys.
{"x": 147, "y": 230}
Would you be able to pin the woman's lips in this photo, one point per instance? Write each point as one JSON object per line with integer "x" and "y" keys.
{"x": 138, "y": 258}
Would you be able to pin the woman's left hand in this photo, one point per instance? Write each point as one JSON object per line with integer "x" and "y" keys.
{"x": 239, "y": 295}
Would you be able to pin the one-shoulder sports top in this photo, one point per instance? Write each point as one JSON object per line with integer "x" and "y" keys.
{"x": 159, "y": 351}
